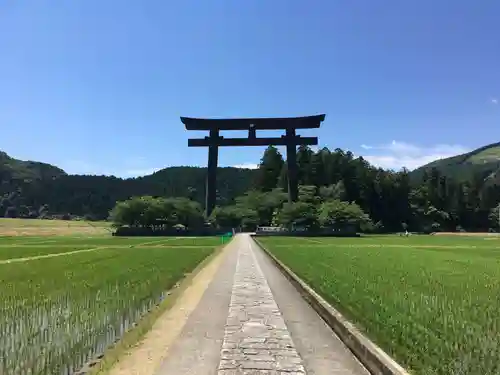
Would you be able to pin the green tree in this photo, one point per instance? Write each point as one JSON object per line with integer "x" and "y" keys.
{"x": 128, "y": 212}
{"x": 334, "y": 191}
{"x": 234, "y": 217}
{"x": 341, "y": 215}
{"x": 11, "y": 212}
{"x": 494, "y": 218}
{"x": 309, "y": 194}
{"x": 304, "y": 166}
{"x": 226, "y": 217}
{"x": 189, "y": 213}
{"x": 283, "y": 178}
{"x": 269, "y": 169}
{"x": 319, "y": 176}
{"x": 263, "y": 203}
{"x": 148, "y": 211}
{"x": 250, "y": 219}
{"x": 298, "y": 214}
{"x": 153, "y": 209}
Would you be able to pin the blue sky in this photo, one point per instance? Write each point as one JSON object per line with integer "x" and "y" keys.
{"x": 97, "y": 86}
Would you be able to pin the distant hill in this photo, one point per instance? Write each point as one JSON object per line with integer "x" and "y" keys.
{"x": 29, "y": 185}
{"x": 20, "y": 170}
{"x": 484, "y": 162}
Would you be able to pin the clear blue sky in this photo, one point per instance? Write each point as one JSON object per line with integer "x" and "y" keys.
{"x": 97, "y": 86}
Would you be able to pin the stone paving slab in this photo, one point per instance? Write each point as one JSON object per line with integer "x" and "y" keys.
{"x": 256, "y": 339}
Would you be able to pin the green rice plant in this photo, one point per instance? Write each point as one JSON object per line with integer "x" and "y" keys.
{"x": 23, "y": 251}
{"x": 58, "y": 313}
{"x": 24, "y": 247}
{"x": 431, "y": 303}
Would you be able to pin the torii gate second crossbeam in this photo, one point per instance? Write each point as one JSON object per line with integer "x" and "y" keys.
{"x": 290, "y": 139}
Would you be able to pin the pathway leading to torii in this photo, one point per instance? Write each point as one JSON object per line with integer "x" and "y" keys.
{"x": 251, "y": 320}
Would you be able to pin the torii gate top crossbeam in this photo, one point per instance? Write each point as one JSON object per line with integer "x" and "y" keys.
{"x": 307, "y": 122}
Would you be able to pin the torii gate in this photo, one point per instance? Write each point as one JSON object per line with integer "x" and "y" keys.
{"x": 291, "y": 140}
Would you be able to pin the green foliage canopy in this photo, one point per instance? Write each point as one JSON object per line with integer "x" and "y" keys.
{"x": 340, "y": 215}
{"x": 150, "y": 212}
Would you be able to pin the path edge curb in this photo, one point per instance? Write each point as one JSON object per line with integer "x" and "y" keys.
{"x": 375, "y": 360}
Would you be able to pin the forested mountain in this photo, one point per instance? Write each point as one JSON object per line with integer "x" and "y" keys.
{"x": 31, "y": 189}
{"x": 437, "y": 200}
{"x": 484, "y": 161}
{"x": 14, "y": 170}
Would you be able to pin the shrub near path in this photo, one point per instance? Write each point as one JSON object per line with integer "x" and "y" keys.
{"x": 434, "y": 309}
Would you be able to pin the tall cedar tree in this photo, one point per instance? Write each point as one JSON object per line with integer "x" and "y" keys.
{"x": 269, "y": 169}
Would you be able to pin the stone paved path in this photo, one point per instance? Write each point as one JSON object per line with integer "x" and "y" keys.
{"x": 252, "y": 321}
{"x": 256, "y": 337}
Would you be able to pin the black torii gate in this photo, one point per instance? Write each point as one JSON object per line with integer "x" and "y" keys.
{"x": 291, "y": 140}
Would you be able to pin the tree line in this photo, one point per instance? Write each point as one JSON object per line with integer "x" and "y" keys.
{"x": 35, "y": 194}
{"x": 339, "y": 190}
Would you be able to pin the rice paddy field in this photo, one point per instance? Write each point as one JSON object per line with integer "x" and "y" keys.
{"x": 38, "y": 227}
{"x": 65, "y": 299}
{"x": 431, "y": 302}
